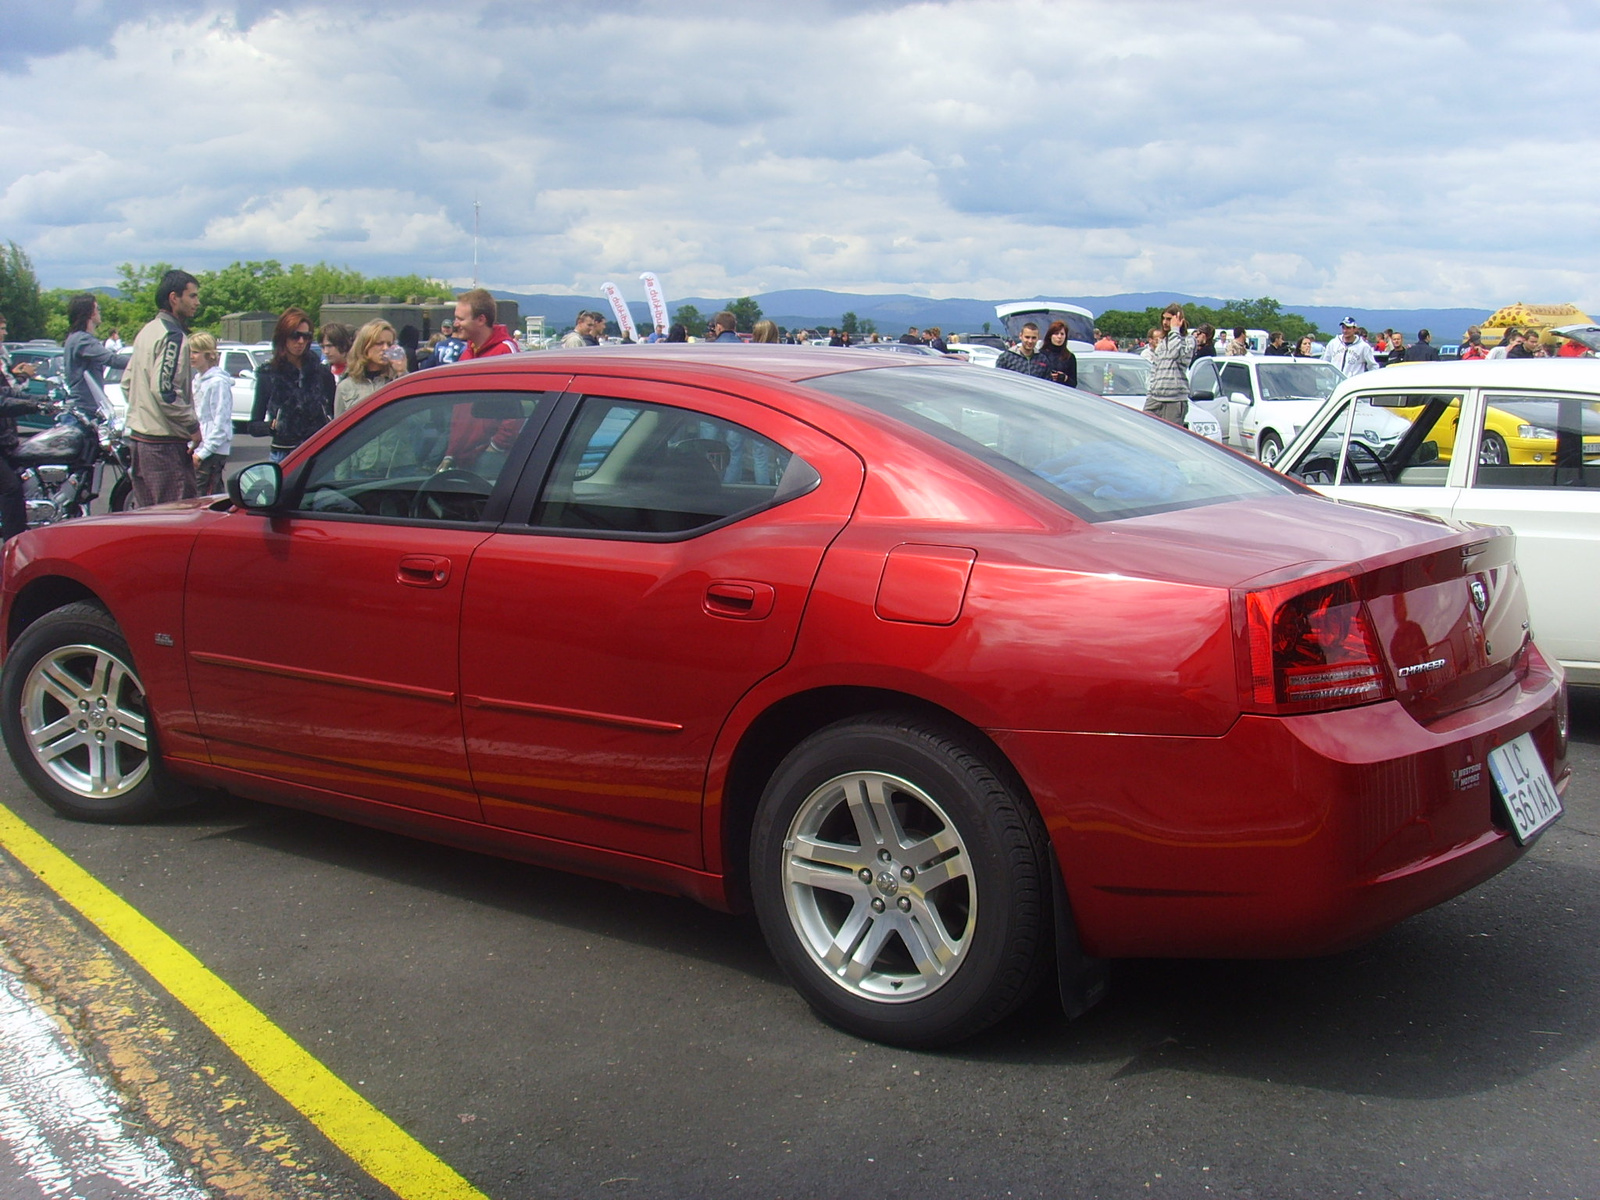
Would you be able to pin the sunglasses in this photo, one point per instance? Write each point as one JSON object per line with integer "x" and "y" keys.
{"x": 302, "y": 336}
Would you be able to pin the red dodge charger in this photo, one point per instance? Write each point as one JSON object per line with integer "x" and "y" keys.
{"x": 958, "y": 678}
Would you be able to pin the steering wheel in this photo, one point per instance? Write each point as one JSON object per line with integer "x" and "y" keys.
{"x": 435, "y": 494}
{"x": 1350, "y": 464}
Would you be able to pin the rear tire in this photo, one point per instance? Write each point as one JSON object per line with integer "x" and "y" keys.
{"x": 901, "y": 883}
{"x": 74, "y": 718}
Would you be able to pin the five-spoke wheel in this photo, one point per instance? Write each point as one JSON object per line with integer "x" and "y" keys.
{"x": 879, "y": 886}
{"x": 903, "y": 883}
{"x": 83, "y": 716}
{"x": 75, "y": 719}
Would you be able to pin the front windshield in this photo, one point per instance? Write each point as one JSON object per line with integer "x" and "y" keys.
{"x": 1097, "y": 459}
{"x": 1298, "y": 381}
{"x": 1114, "y": 377}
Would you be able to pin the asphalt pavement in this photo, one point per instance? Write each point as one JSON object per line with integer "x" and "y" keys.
{"x": 552, "y": 1036}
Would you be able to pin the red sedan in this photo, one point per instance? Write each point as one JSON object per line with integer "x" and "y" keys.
{"x": 956, "y": 677}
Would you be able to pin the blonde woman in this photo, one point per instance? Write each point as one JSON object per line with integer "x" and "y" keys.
{"x": 764, "y": 331}
{"x": 373, "y": 361}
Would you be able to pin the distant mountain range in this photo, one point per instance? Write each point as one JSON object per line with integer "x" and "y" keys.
{"x": 892, "y": 314}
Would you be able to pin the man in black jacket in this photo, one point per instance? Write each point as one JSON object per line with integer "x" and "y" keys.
{"x": 1422, "y": 349}
{"x": 14, "y": 403}
{"x": 1026, "y": 358}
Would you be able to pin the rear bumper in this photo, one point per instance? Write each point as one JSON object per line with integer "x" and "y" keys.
{"x": 1287, "y": 836}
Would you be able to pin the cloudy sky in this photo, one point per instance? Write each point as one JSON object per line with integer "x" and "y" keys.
{"x": 1383, "y": 155}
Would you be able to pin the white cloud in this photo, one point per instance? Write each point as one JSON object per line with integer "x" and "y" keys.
{"x": 1365, "y": 155}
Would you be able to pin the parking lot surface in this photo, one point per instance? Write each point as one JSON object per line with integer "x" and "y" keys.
{"x": 547, "y": 1035}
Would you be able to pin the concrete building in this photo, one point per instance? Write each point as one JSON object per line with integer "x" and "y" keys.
{"x": 249, "y": 327}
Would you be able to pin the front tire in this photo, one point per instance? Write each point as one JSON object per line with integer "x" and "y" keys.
{"x": 74, "y": 718}
{"x": 1269, "y": 448}
{"x": 901, "y": 883}
{"x": 1492, "y": 450}
{"x": 121, "y": 499}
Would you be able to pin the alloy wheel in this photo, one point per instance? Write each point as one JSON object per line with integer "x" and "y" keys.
{"x": 879, "y": 886}
{"x": 83, "y": 714}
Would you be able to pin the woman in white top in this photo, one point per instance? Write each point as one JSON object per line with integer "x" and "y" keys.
{"x": 373, "y": 361}
{"x": 213, "y": 405}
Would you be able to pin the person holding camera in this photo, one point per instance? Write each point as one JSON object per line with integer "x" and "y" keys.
{"x": 1170, "y": 357}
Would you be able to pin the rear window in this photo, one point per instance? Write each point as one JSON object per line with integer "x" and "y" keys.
{"x": 1093, "y": 457}
{"x": 1114, "y": 376}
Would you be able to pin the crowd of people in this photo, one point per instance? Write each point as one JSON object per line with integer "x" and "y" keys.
{"x": 180, "y": 410}
{"x": 1171, "y": 348}
{"x": 180, "y": 401}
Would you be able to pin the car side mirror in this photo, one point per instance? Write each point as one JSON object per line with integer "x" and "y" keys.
{"x": 1202, "y": 396}
{"x": 1428, "y": 452}
{"x": 259, "y": 487}
{"x": 1240, "y": 398}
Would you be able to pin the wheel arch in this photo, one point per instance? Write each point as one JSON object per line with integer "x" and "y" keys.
{"x": 784, "y": 725}
{"x": 44, "y": 595}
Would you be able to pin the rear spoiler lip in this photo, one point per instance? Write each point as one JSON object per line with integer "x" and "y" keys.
{"x": 1473, "y": 547}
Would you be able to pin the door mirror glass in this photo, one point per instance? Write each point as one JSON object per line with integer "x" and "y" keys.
{"x": 257, "y": 487}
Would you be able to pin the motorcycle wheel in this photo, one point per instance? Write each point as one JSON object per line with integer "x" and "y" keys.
{"x": 121, "y": 496}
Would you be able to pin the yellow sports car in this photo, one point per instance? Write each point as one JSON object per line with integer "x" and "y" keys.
{"x": 1516, "y": 431}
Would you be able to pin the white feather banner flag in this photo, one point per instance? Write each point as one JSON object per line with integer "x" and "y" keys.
{"x": 619, "y": 309}
{"x": 658, "y": 301}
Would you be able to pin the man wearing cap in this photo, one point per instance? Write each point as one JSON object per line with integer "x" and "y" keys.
{"x": 1349, "y": 351}
{"x": 1422, "y": 350}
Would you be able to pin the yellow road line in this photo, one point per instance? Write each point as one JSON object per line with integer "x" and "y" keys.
{"x": 385, "y": 1151}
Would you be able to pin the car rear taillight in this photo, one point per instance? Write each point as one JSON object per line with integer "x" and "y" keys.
{"x": 1314, "y": 651}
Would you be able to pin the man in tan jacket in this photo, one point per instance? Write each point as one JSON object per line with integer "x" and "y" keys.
{"x": 161, "y": 419}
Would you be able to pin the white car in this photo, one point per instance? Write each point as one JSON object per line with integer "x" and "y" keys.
{"x": 237, "y": 360}
{"x": 979, "y": 356}
{"x": 1512, "y": 442}
{"x": 1125, "y": 378}
{"x": 1269, "y": 398}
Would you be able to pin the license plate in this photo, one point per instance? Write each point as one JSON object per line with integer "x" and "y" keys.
{"x": 1208, "y": 429}
{"x": 1524, "y": 786}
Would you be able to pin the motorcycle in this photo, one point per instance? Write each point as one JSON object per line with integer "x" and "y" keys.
{"x": 64, "y": 468}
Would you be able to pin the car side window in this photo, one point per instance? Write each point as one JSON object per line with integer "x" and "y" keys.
{"x": 634, "y": 467}
{"x": 236, "y": 363}
{"x": 427, "y": 458}
{"x": 1538, "y": 441}
{"x": 1203, "y": 377}
{"x": 1235, "y": 377}
{"x": 1385, "y": 439}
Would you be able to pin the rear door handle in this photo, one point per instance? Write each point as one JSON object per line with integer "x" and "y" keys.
{"x": 423, "y": 570}
{"x": 739, "y": 599}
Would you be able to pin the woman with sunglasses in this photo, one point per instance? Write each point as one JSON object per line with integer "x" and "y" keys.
{"x": 294, "y": 392}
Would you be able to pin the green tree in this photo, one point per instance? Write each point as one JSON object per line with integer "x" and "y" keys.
{"x": 689, "y": 317}
{"x": 848, "y": 324}
{"x": 20, "y": 299}
{"x": 1127, "y": 323}
{"x": 745, "y": 311}
{"x": 1265, "y": 313}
